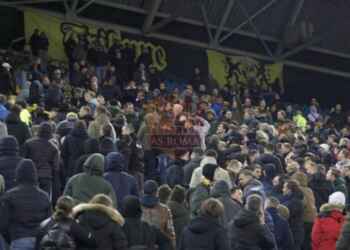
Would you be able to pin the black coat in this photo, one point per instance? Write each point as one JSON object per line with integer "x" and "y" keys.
{"x": 271, "y": 159}
{"x": 44, "y": 154}
{"x": 81, "y": 236}
{"x": 72, "y": 149}
{"x": 139, "y": 233}
{"x": 9, "y": 158}
{"x": 294, "y": 202}
{"x": 181, "y": 218}
{"x": 105, "y": 223}
{"x": 246, "y": 233}
{"x": 204, "y": 233}
{"x": 321, "y": 187}
{"x": 175, "y": 173}
{"x": 22, "y": 210}
{"x": 17, "y": 128}
{"x": 189, "y": 168}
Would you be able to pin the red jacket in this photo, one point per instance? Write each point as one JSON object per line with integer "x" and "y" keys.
{"x": 327, "y": 228}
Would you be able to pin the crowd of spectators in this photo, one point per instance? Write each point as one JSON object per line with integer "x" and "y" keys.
{"x": 86, "y": 161}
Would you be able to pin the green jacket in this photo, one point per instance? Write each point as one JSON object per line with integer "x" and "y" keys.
{"x": 83, "y": 187}
{"x": 340, "y": 185}
{"x": 199, "y": 194}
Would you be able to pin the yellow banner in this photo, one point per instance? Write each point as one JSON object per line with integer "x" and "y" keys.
{"x": 240, "y": 70}
{"x": 59, "y": 31}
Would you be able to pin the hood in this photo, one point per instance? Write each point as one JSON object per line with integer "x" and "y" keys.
{"x": 149, "y": 201}
{"x": 79, "y": 132}
{"x": 115, "y": 162}
{"x": 9, "y": 145}
{"x": 12, "y": 118}
{"x": 245, "y": 218}
{"x": 45, "y": 130}
{"x": 301, "y": 178}
{"x": 202, "y": 224}
{"x": 132, "y": 207}
{"x": 328, "y": 207}
{"x": 220, "y": 189}
{"x": 91, "y": 146}
{"x": 94, "y": 164}
{"x": 26, "y": 172}
{"x": 98, "y": 215}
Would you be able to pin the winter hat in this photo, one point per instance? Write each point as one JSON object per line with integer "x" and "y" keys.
{"x": 208, "y": 160}
{"x": 26, "y": 172}
{"x": 94, "y": 164}
{"x": 337, "y": 198}
{"x": 325, "y": 147}
{"x": 178, "y": 194}
{"x": 132, "y": 207}
{"x": 151, "y": 187}
{"x": 115, "y": 162}
{"x": 9, "y": 144}
{"x": 209, "y": 171}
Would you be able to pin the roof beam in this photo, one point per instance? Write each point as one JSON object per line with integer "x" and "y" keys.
{"x": 223, "y": 20}
{"x": 292, "y": 20}
{"x": 242, "y": 24}
{"x": 151, "y": 15}
{"x": 163, "y": 23}
{"x": 257, "y": 31}
{"x": 206, "y": 23}
{"x": 84, "y": 7}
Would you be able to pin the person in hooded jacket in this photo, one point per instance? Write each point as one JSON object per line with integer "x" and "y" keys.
{"x": 293, "y": 200}
{"x": 139, "y": 234}
{"x": 248, "y": 230}
{"x": 205, "y": 231}
{"x": 24, "y": 207}
{"x": 84, "y": 186}
{"x": 122, "y": 183}
{"x": 175, "y": 172}
{"x": 283, "y": 234}
{"x": 158, "y": 215}
{"x": 9, "y": 159}
{"x": 196, "y": 157}
{"x": 310, "y": 211}
{"x": 90, "y": 147}
{"x": 249, "y": 184}
{"x": 73, "y": 147}
{"x": 45, "y": 155}
{"x": 16, "y": 127}
{"x": 221, "y": 191}
{"x": 328, "y": 225}
{"x": 181, "y": 214}
{"x": 63, "y": 217}
{"x": 103, "y": 221}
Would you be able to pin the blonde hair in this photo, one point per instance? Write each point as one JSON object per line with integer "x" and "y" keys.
{"x": 102, "y": 199}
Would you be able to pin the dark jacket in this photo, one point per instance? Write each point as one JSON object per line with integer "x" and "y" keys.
{"x": 204, "y": 233}
{"x": 81, "y": 236}
{"x": 321, "y": 187}
{"x": 139, "y": 233}
{"x": 283, "y": 234}
{"x": 175, "y": 173}
{"x": 17, "y": 128}
{"x": 189, "y": 168}
{"x": 248, "y": 234}
{"x": 122, "y": 183}
{"x": 271, "y": 159}
{"x": 83, "y": 187}
{"x": 90, "y": 147}
{"x": 199, "y": 194}
{"x": 294, "y": 202}
{"x": 105, "y": 223}
{"x": 44, "y": 154}
{"x": 221, "y": 191}
{"x": 9, "y": 158}
{"x": 344, "y": 237}
{"x": 24, "y": 207}
{"x": 181, "y": 217}
{"x": 340, "y": 185}
{"x": 72, "y": 149}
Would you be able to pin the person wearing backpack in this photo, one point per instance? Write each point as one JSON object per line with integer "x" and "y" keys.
{"x": 104, "y": 221}
{"x": 61, "y": 231}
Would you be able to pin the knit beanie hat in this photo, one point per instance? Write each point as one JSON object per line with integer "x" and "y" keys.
{"x": 337, "y": 198}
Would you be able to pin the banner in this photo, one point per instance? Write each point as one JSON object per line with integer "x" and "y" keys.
{"x": 242, "y": 71}
{"x": 59, "y": 32}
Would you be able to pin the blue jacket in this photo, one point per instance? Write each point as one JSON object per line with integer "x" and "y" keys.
{"x": 3, "y": 112}
{"x": 283, "y": 235}
{"x": 122, "y": 183}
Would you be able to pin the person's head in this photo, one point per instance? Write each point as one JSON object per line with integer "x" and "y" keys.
{"x": 196, "y": 153}
{"x": 333, "y": 174}
{"x": 45, "y": 130}
{"x": 337, "y": 199}
{"x": 254, "y": 204}
{"x": 209, "y": 172}
{"x": 80, "y": 125}
{"x": 178, "y": 194}
{"x": 94, "y": 164}
{"x": 237, "y": 194}
{"x": 343, "y": 154}
{"x": 102, "y": 199}
{"x": 292, "y": 167}
{"x": 212, "y": 208}
{"x": 245, "y": 176}
{"x": 272, "y": 202}
{"x": 257, "y": 171}
{"x": 283, "y": 211}
{"x": 131, "y": 207}
{"x": 291, "y": 187}
{"x": 64, "y": 208}
{"x": 151, "y": 188}
{"x": 26, "y": 172}
{"x": 310, "y": 167}
{"x": 164, "y": 192}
